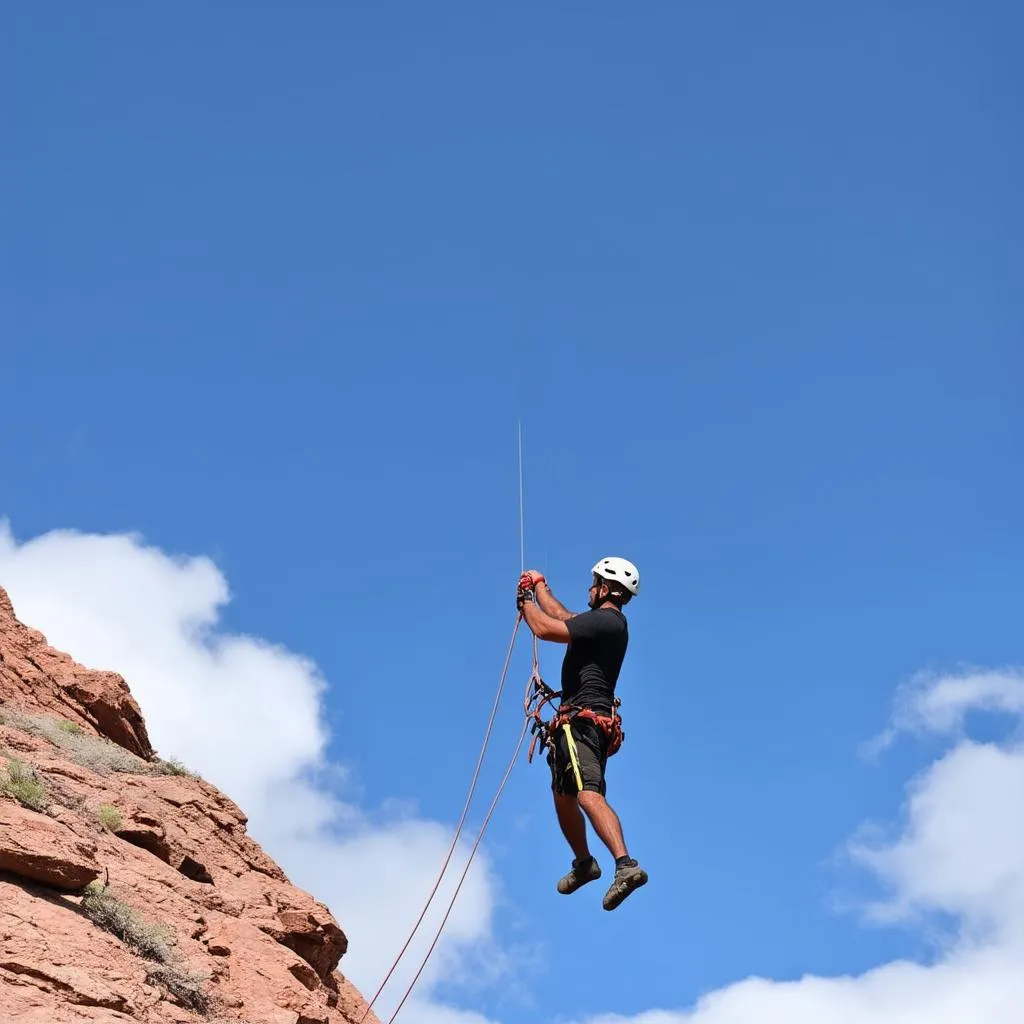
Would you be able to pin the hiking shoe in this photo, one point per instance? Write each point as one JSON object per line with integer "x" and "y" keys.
{"x": 627, "y": 878}
{"x": 579, "y": 874}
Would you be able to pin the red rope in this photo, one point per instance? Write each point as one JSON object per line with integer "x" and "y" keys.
{"x": 455, "y": 837}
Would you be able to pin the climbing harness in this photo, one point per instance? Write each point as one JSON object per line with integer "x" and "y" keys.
{"x": 610, "y": 725}
{"x": 544, "y": 733}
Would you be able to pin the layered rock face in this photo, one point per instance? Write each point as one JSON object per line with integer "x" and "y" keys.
{"x": 129, "y": 889}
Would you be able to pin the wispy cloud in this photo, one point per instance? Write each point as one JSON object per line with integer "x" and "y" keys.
{"x": 931, "y": 703}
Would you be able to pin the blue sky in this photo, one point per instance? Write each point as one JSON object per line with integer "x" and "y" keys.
{"x": 279, "y": 284}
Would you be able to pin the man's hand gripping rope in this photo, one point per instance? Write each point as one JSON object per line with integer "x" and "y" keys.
{"x": 528, "y": 582}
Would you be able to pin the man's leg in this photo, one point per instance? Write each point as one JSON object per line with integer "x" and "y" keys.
{"x": 584, "y": 868}
{"x": 573, "y": 826}
{"x": 628, "y": 874}
{"x": 605, "y": 821}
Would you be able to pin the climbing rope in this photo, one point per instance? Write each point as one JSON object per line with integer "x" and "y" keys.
{"x": 458, "y": 828}
{"x": 536, "y": 690}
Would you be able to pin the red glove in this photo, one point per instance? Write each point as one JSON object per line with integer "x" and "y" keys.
{"x": 527, "y": 582}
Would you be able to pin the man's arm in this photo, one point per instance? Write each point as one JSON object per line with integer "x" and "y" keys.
{"x": 544, "y": 626}
{"x": 550, "y": 604}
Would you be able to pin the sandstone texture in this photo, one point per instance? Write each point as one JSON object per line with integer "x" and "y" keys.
{"x": 130, "y": 889}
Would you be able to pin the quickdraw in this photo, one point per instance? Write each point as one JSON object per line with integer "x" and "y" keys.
{"x": 538, "y": 694}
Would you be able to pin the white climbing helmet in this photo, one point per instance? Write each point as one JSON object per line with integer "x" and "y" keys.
{"x": 618, "y": 570}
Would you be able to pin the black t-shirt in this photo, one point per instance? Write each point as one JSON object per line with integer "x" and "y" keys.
{"x": 590, "y": 669}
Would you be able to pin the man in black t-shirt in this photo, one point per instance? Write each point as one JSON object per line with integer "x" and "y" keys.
{"x": 597, "y": 641}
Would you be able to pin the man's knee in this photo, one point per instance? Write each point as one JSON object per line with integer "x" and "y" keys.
{"x": 591, "y": 798}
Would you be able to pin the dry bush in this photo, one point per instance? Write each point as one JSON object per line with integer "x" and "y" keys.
{"x": 151, "y": 941}
{"x": 185, "y": 986}
{"x": 94, "y": 752}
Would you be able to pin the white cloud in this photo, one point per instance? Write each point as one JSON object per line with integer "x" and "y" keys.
{"x": 980, "y": 988}
{"x": 960, "y": 853}
{"x": 247, "y": 715}
{"x": 957, "y": 856}
{"x": 940, "y": 703}
{"x": 962, "y": 850}
{"x": 931, "y": 703}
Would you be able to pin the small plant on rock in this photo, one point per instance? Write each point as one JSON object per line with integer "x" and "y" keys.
{"x": 151, "y": 941}
{"x": 172, "y": 766}
{"x": 94, "y": 752}
{"x": 109, "y": 817}
{"x": 21, "y": 782}
{"x": 185, "y": 986}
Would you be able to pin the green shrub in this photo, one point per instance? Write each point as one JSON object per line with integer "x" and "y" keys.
{"x": 21, "y": 782}
{"x": 66, "y": 726}
{"x": 109, "y": 817}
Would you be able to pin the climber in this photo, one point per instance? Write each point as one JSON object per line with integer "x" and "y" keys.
{"x": 587, "y": 728}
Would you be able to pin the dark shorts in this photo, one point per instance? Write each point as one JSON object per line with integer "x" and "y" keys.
{"x": 591, "y": 751}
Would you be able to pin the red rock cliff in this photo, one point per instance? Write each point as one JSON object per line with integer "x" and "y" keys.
{"x": 129, "y": 889}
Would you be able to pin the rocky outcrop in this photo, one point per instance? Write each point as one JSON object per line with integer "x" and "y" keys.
{"x": 130, "y": 890}
{"x": 33, "y": 676}
{"x": 41, "y": 849}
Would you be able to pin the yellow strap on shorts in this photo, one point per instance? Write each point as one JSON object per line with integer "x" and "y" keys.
{"x": 571, "y": 744}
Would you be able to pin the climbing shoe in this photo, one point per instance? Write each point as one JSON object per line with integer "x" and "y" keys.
{"x": 581, "y": 872}
{"x": 627, "y": 878}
